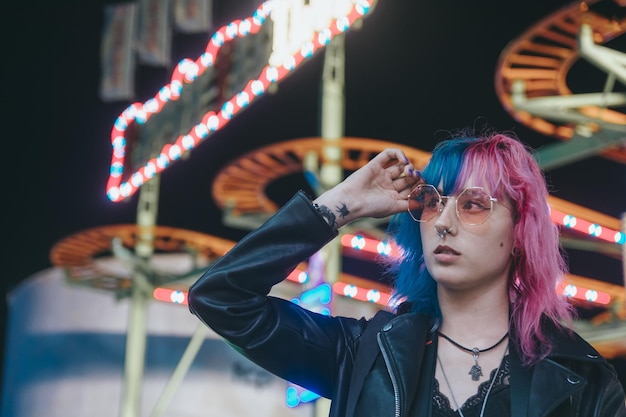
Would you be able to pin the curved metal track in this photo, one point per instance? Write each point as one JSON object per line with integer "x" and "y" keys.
{"x": 78, "y": 253}
{"x": 541, "y": 59}
{"x": 241, "y": 186}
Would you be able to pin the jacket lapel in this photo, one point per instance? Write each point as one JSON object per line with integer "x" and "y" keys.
{"x": 552, "y": 384}
{"x": 537, "y": 390}
{"x": 365, "y": 357}
{"x": 405, "y": 338}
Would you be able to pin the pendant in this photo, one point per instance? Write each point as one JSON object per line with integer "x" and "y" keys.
{"x": 476, "y": 371}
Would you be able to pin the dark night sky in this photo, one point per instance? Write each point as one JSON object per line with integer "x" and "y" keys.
{"x": 414, "y": 68}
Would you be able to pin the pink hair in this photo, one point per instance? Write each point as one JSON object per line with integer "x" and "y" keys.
{"x": 508, "y": 168}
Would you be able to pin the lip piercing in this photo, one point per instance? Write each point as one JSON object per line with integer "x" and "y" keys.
{"x": 443, "y": 232}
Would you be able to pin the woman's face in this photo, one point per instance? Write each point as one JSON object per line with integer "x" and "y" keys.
{"x": 469, "y": 257}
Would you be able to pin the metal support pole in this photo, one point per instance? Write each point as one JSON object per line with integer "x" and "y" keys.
{"x": 181, "y": 370}
{"x": 141, "y": 294}
{"x": 331, "y": 171}
{"x": 333, "y": 111}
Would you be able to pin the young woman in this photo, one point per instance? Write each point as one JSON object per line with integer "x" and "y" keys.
{"x": 479, "y": 330}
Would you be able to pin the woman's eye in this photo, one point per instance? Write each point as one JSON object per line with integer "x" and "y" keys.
{"x": 472, "y": 205}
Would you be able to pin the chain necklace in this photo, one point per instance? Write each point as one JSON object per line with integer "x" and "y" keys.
{"x": 456, "y": 404}
{"x": 475, "y": 371}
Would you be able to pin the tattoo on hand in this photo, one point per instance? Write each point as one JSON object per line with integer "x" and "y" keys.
{"x": 343, "y": 210}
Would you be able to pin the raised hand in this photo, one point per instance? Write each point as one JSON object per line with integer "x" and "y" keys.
{"x": 378, "y": 189}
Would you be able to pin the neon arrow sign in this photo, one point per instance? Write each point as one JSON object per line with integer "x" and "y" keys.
{"x": 286, "y": 57}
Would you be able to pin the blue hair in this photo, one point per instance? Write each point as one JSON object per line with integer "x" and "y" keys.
{"x": 412, "y": 281}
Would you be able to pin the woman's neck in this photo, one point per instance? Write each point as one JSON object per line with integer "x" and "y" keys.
{"x": 476, "y": 315}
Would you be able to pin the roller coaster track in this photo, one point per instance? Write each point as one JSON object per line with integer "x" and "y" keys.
{"x": 533, "y": 72}
{"x": 79, "y": 254}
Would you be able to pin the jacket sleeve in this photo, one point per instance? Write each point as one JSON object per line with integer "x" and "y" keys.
{"x": 231, "y": 297}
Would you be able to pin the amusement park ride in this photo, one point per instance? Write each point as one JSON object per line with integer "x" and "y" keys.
{"x": 531, "y": 82}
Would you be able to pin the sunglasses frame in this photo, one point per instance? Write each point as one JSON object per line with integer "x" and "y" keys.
{"x": 492, "y": 200}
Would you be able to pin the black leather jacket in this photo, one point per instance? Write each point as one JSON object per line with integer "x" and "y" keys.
{"x": 319, "y": 352}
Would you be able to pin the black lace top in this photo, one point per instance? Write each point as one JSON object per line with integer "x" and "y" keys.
{"x": 498, "y": 403}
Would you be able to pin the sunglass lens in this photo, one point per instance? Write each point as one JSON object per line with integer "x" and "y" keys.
{"x": 474, "y": 205}
{"x": 424, "y": 203}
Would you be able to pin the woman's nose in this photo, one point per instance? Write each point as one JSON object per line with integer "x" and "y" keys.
{"x": 447, "y": 215}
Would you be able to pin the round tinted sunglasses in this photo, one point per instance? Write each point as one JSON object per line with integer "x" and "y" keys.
{"x": 473, "y": 205}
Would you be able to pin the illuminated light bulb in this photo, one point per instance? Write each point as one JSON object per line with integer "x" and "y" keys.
{"x": 350, "y": 291}
{"x": 570, "y": 290}
{"x": 116, "y": 169}
{"x": 192, "y": 74}
{"x": 373, "y": 296}
{"x": 217, "y": 39}
{"x": 120, "y": 124}
{"x": 113, "y": 194}
{"x": 342, "y": 24}
{"x": 119, "y": 150}
{"x": 188, "y": 69}
{"x": 162, "y": 161}
{"x": 569, "y": 220}
{"x": 177, "y": 297}
{"x": 307, "y": 50}
{"x": 591, "y": 295}
{"x": 176, "y": 88}
{"x": 165, "y": 93}
{"x": 243, "y": 99}
{"x": 258, "y": 18}
{"x": 231, "y": 30}
{"x": 271, "y": 74}
{"x": 227, "y": 110}
{"x": 383, "y": 248}
{"x": 141, "y": 117}
{"x": 244, "y": 27}
{"x": 303, "y": 277}
{"x": 363, "y": 7}
{"x": 619, "y": 238}
{"x": 323, "y": 37}
{"x": 289, "y": 63}
{"x": 257, "y": 87}
{"x": 595, "y": 230}
{"x": 151, "y": 106}
{"x": 150, "y": 169}
{"x": 181, "y": 66}
{"x": 213, "y": 123}
{"x": 136, "y": 179}
{"x": 201, "y": 130}
{"x": 188, "y": 142}
{"x": 358, "y": 242}
{"x": 125, "y": 189}
{"x": 130, "y": 111}
{"x": 207, "y": 59}
{"x": 174, "y": 152}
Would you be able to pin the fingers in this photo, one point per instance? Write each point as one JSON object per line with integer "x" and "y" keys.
{"x": 393, "y": 165}
{"x": 405, "y": 182}
{"x": 403, "y": 175}
{"x": 392, "y": 156}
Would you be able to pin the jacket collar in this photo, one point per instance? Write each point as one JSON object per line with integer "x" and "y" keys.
{"x": 535, "y": 390}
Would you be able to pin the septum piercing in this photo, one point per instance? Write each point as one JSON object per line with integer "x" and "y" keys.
{"x": 443, "y": 232}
